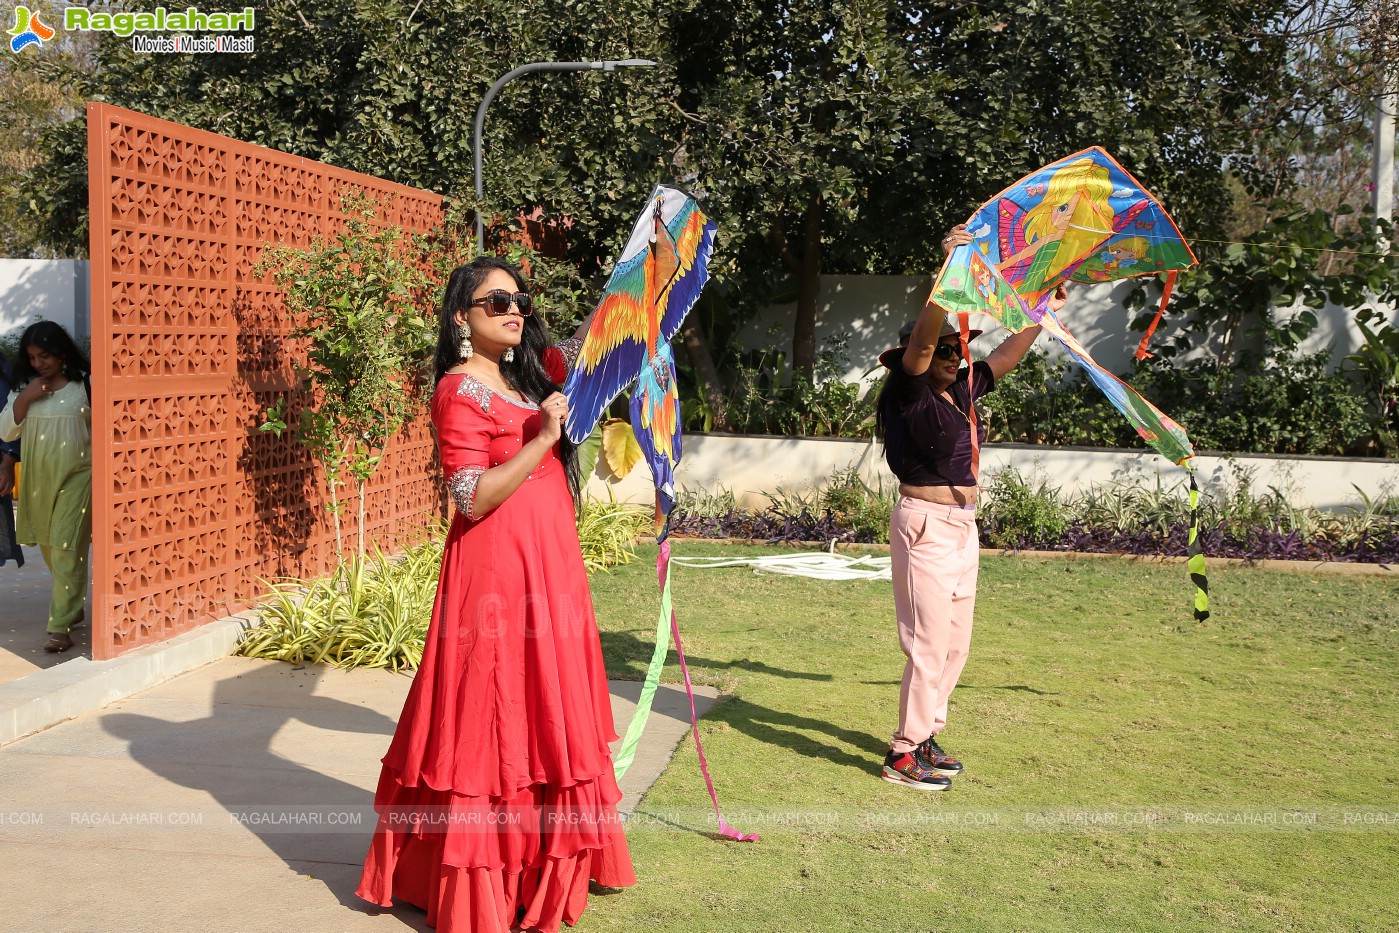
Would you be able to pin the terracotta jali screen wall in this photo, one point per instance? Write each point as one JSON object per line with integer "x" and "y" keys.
{"x": 193, "y": 506}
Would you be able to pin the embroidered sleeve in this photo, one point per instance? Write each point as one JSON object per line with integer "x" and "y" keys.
{"x": 464, "y": 433}
{"x": 570, "y": 349}
{"x": 462, "y": 486}
{"x": 476, "y": 390}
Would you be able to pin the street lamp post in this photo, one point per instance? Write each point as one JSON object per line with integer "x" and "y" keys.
{"x": 495, "y": 89}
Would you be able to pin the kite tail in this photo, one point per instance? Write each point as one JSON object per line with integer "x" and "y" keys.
{"x": 662, "y": 520}
{"x": 724, "y": 827}
{"x": 627, "y": 752}
{"x": 1195, "y": 555}
{"x": 963, "y": 319}
{"x": 1142, "y": 353}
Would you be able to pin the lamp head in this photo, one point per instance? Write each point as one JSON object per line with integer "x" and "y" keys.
{"x": 627, "y": 63}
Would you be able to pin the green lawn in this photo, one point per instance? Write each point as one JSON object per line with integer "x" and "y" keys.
{"x": 1127, "y": 767}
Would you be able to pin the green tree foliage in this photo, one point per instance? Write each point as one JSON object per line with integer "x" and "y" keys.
{"x": 1377, "y": 365}
{"x": 824, "y": 137}
{"x": 390, "y": 89}
{"x": 1309, "y": 145}
{"x": 40, "y": 94}
{"x": 804, "y": 114}
{"x": 756, "y": 101}
{"x": 1258, "y": 297}
{"x": 352, "y": 300}
{"x": 847, "y": 137}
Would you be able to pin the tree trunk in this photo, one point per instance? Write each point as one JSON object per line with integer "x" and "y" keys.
{"x": 697, "y": 346}
{"x": 363, "y": 485}
{"x": 808, "y": 273}
{"x": 335, "y": 514}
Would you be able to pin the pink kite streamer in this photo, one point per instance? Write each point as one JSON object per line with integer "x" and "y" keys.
{"x": 663, "y": 572}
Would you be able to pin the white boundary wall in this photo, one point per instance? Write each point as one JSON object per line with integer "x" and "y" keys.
{"x": 751, "y": 466}
{"x": 44, "y": 289}
{"x": 870, "y": 309}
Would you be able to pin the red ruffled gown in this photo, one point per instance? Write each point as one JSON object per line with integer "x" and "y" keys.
{"x": 497, "y": 802}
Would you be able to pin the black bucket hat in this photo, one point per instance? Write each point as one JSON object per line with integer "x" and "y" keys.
{"x": 890, "y": 357}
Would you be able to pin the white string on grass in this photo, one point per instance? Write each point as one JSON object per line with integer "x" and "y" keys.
{"x": 821, "y": 566}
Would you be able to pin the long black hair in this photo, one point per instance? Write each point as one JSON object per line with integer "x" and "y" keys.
{"x": 526, "y": 371}
{"x": 53, "y": 340}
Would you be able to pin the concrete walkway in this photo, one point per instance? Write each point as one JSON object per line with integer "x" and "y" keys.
{"x": 168, "y": 791}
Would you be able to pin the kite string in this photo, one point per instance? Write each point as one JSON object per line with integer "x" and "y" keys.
{"x": 1309, "y": 249}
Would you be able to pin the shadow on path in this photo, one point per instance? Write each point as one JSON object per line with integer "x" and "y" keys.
{"x": 229, "y": 755}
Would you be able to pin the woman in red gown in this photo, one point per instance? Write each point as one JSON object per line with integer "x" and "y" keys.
{"x": 497, "y": 802}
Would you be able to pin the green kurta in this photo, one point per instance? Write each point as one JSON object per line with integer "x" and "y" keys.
{"x": 55, "y": 486}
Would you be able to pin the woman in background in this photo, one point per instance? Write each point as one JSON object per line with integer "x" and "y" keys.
{"x": 53, "y": 414}
{"x": 9, "y": 456}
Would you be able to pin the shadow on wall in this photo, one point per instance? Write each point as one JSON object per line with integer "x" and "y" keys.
{"x": 44, "y": 289}
{"x": 279, "y": 470}
{"x": 868, "y": 310}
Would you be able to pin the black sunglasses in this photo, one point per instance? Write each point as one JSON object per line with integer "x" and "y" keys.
{"x": 498, "y": 302}
{"x": 946, "y": 351}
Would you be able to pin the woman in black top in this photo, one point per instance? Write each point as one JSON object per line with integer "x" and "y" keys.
{"x": 925, "y": 418}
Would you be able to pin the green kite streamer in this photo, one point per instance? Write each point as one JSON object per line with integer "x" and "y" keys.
{"x": 627, "y": 751}
{"x": 1195, "y": 555}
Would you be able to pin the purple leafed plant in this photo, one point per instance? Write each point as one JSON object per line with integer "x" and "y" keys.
{"x": 1257, "y": 543}
{"x": 771, "y": 525}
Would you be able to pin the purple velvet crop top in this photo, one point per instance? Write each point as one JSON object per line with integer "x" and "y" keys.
{"x": 927, "y": 440}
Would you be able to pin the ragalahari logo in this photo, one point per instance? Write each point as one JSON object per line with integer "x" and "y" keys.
{"x": 29, "y": 29}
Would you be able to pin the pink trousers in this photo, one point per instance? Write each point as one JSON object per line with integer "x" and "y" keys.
{"x": 934, "y": 555}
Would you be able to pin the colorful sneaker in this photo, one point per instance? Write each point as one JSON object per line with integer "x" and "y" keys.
{"x": 907, "y": 769}
{"x": 933, "y": 758}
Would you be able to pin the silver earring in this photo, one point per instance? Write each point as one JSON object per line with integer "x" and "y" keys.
{"x": 465, "y": 349}
{"x": 508, "y": 355}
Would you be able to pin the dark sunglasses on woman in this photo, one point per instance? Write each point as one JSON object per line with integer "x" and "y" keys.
{"x": 498, "y": 302}
{"x": 946, "y": 351}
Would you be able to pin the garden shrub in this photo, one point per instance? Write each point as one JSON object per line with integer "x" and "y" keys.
{"x": 375, "y": 612}
{"x": 1291, "y": 406}
{"x": 851, "y": 502}
{"x": 1015, "y": 514}
{"x": 763, "y": 396}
